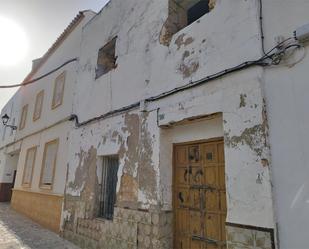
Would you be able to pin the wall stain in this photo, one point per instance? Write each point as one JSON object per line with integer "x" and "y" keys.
{"x": 243, "y": 100}
{"x": 86, "y": 180}
{"x": 128, "y": 152}
{"x": 146, "y": 172}
{"x": 188, "y": 69}
{"x": 181, "y": 42}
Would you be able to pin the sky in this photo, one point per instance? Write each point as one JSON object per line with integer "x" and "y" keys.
{"x": 40, "y": 22}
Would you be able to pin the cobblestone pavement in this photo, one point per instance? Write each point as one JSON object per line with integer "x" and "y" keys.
{"x": 18, "y": 232}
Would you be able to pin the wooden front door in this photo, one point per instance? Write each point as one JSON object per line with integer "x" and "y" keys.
{"x": 199, "y": 196}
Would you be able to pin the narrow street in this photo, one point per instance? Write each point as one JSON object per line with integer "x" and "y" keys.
{"x": 16, "y": 232}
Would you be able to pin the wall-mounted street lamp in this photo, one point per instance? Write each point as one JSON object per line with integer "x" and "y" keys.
{"x": 5, "y": 120}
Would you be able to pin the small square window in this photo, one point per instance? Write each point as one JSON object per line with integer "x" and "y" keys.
{"x": 106, "y": 58}
{"x": 38, "y": 105}
{"x": 58, "y": 91}
{"x": 23, "y": 117}
{"x": 108, "y": 187}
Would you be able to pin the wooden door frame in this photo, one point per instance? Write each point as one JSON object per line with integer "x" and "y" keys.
{"x": 215, "y": 139}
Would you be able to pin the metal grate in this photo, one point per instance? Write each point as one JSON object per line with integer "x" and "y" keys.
{"x": 108, "y": 188}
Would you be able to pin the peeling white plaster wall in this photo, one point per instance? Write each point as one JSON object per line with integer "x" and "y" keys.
{"x": 227, "y": 36}
{"x": 221, "y": 39}
{"x": 109, "y": 137}
{"x": 248, "y": 181}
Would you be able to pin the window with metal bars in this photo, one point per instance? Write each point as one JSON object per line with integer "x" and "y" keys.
{"x": 108, "y": 187}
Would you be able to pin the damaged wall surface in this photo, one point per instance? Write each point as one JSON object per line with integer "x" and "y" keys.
{"x": 133, "y": 97}
{"x": 143, "y": 138}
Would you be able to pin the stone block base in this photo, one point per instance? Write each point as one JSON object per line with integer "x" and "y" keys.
{"x": 130, "y": 229}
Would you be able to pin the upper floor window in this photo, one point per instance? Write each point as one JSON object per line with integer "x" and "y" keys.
{"x": 106, "y": 58}
{"x": 23, "y": 117}
{"x": 58, "y": 91}
{"x": 108, "y": 186}
{"x": 197, "y": 9}
{"x": 29, "y": 165}
{"x": 38, "y": 105}
{"x": 49, "y": 164}
{"x": 183, "y": 13}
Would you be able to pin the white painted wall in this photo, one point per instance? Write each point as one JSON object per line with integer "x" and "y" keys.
{"x": 287, "y": 92}
{"x": 24, "y": 139}
{"x": 221, "y": 39}
{"x": 60, "y": 132}
{"x": 227, "y": 36}
{"x": 69, "y": 49}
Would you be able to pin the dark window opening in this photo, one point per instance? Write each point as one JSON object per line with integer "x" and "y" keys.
{"x": 183, "y": 13}
{"x": 108, "y": 187}
{"x": 106, "y": 58}
{"x": 197, "y": 11}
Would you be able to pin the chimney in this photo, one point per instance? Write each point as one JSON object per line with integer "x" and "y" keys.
{"x": 35, "y": 63}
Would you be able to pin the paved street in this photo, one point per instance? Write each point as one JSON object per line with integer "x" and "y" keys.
{"x": 16, "y": 231}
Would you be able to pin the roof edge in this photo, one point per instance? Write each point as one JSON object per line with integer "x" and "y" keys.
{"x": 69, "y": 29}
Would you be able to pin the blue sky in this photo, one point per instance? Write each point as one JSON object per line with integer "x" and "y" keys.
{"x": 43, "y": 21}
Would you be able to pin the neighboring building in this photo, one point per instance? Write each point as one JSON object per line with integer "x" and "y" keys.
{"x": 185, "y": 136}
{"x": 37, "y": 152}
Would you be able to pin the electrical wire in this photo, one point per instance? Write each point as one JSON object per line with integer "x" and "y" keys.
{"x": 39, "y": 78}
{"x": 262, "y": 28}
{"x": 75, "y": 118}
{"x": 267, "y": 59}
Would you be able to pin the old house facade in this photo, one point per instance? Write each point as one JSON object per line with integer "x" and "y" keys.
{"x": 175, "y": 146}
{"x": 181, "y": 126}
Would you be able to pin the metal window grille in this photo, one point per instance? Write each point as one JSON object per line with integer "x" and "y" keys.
{"x": 108, "y": 187}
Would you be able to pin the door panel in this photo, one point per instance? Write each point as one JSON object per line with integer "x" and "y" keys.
{"x": 199, "y": 196}
{"x": 211, "y": 201}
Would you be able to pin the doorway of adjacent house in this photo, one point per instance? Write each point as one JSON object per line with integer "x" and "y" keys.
{"x": 12, "y": 161}
{"x": 199, "y": 195}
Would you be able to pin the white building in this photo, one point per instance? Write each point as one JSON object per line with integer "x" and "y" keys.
{"x": 186, "y": 134}
{"x": 37, "y": 150}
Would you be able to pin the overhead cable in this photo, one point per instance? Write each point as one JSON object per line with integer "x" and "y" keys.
{"x": 39, "y": 78}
